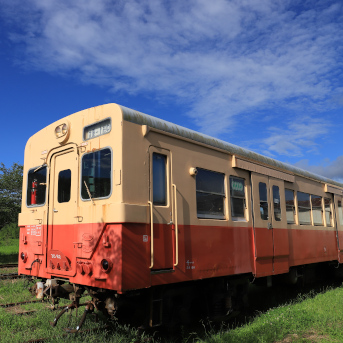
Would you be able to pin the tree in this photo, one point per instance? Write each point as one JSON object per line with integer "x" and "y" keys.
{"x": 11, "y": 180}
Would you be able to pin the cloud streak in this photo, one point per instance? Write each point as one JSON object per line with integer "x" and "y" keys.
{"x": 222, "y": 58}
{"x": 330, "y": 169}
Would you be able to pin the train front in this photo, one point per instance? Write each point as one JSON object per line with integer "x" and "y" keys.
{"x": 71, "y": 185}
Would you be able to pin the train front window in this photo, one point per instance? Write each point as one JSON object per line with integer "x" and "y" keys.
{"x": 210, "y": 194}
{"x": 36, "y": 186}
{"x": 96, "y": 180}
{"x": 64, "y": 185}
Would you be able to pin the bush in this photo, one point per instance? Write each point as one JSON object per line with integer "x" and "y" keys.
{"x": 9, "y": 231}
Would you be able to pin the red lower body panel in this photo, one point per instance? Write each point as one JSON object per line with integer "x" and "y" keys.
{"x": 203, "y": 252}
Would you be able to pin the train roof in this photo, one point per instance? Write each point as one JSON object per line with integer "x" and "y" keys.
{"x": 145, "y": 119}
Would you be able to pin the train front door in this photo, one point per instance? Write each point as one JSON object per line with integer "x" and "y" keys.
{"x": 63, "y": 201}
{"x": 162, "y": 249}
{"x": 270, "y": 226}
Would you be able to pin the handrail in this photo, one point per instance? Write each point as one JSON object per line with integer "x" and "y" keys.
{"x": 151, "y": 234}
{"x": 176, "y": 229}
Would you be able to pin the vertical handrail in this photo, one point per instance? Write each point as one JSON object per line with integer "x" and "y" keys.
{"x": 151, "y": 235}
{"x": 176, "y": 229}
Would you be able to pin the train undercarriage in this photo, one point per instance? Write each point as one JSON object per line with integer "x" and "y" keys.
{"x": 174, "y": 304}
{"x": 166, "y": 305}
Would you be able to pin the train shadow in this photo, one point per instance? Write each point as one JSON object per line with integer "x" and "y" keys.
{"x": 261, "y": 299}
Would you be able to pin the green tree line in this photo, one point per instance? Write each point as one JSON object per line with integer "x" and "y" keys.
{"x": 10, "y": 199}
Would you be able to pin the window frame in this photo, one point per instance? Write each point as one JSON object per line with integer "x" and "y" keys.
{"x": 264, "y": 201}
{"x": 59, "y": 183}
{"x": 223, "y": 195}
{"x": 288, "y": 206}
{"x": 166, "y": 204}
{"x": 330, "y": 224}
{"x": 278, "y": 207}
{"x": 111, "y": 174}
{"x": 308, "y": 208}
{"x": 235, "y": 218}
{"x": 340, "y": 211}
{"x": 46, "y": 188}
{"x": 313, "y": 196}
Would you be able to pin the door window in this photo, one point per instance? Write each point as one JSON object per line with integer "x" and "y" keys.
{"x": 276, "y": 203}
{"x": 159, "y": 179}
{"x": 64, "y": 184}
{"x": 263, "y": 200}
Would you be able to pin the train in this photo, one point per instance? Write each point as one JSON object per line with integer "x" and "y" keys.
{"x": 158, "y": 223}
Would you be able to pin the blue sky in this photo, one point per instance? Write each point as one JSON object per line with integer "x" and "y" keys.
{"x": 262, "y": 74}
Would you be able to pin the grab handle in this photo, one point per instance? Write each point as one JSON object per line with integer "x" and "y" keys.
{"x": 151, "y": 235}
{"x": 176, "y": 228}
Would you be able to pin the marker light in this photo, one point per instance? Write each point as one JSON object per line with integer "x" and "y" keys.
{"x": 23, "y": 256}
{"x": 106, "y": 265}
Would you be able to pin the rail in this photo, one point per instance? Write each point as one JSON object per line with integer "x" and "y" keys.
{"x": 8, "y": 265}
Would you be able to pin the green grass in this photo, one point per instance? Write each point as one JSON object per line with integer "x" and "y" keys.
{"x": 9, "y": 250}
{"x": 310, "y": 318}
{"x": 315, "y": 317}
{"x": 21, "y": 328}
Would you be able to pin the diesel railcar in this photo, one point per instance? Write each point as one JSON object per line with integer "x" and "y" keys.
{"x": 157, "y": 221}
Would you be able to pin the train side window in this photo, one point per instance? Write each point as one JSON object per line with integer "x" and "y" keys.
{"x": 36, "y": 186}
{"x": 328, "y": 212}
{"x": 159, "y": 179}
{"x": 210, "y": 194}
{"x": 290, "y": 208}
{"x": 317, "y": 209}
{"x": 276, "y": 203}
{"x": 96, "y": 174}
{"x": 263, "y": 200}
{"x": 304, "y": 208}
{"x": 340, "y": 212}
{"x": 237, "y": 195}
{"x": 64, "y": 185}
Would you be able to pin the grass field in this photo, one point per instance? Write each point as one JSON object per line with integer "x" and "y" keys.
{"x": 310, "y": 318}
{"x": 9, "y": 251}
{"x": 313, "y": 317}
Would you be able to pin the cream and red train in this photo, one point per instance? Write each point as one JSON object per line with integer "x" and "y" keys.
{"x": 156, "y": 220}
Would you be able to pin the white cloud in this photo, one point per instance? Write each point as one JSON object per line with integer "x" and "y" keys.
{"x": 330, "y": 169}
{"x": 296, "y": 137}
{"x": 221, "y": 58}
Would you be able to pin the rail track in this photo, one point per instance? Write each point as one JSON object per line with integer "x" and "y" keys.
{"x": 13, "y": 276}
{"x": 8, "y": 265}
{"x": 20, "y": 303}
{"x": 68, "y": 334}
